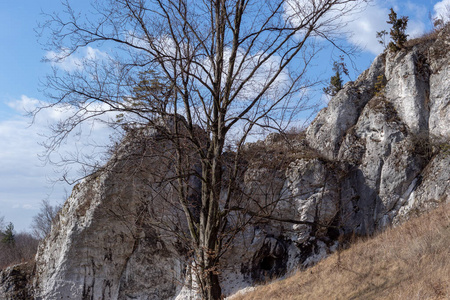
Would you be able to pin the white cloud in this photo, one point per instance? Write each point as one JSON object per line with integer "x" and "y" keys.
{"x": 360, "y": 26}
{"x": 364, "y": 26}
{"x": 24, "y": 105}
{"x": 260, "y": 79}
{"x": 24, "y": 179}
{"x": 442, "y": 10}
{"x": 415, "y": 29}
{"x": 75, "y": 61}
{"x": 245, "y": 63}
{"x": 26, "y": 206}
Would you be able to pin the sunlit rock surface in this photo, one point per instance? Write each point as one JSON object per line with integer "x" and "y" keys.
{"x": 372, "y": 158}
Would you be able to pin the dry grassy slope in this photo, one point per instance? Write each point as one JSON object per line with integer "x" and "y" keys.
{"x": 411, "y": 261}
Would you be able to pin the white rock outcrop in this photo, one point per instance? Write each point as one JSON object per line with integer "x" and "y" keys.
{"x": 372, "y": 158}
{"x": 102, "y": 248}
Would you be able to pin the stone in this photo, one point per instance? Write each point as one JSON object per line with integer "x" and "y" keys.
{"x": 15, "y": 282}
{"x": 376, "y": 156}
{"x": 326, "y": 131}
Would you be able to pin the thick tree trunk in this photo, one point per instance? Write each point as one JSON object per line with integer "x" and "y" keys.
{"x": 210, "y": 221}
{"x": 208, "y": 272}
{"x": 209, "y": 280}
{"x": 214, "y": 291}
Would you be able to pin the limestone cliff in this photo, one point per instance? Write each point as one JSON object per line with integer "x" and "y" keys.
{"x": 379, "y": 153}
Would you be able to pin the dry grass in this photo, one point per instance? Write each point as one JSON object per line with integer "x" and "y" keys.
{"x": 408, "y": 262}
{"x": 424, "y": 40}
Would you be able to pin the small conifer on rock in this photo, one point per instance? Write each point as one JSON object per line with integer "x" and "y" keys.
{"x": 398, "y": 31}
{"x": 336, "y": 81}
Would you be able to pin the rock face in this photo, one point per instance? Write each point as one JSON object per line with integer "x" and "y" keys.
{"x": 378, "y": 154}
{"x": 389, "y": 140}
{"x": 15, "y": 282}
{"x": 101, "y": 248}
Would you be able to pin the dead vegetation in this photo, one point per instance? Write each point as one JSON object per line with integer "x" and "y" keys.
{"x": 429, "y": 37}
{"x": 22, "y": 250}
{"x": 408, "y": 262}
{"x": 278, "y": 150}
{"x": 423, "y": 41}
{"x": 425, "y": 146}
{"x": 430, "y": 43}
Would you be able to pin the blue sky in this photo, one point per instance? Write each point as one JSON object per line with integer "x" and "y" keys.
{"x": 24, "y": 180}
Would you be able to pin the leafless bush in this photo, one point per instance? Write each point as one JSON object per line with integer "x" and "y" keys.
{"x": 426, "y": 146}
{"x": 15, "y": 247}
{"x": 42, "y": 222}
{"x": 423, "y": 41}
{"x": 23, "y": 250}
{"x": 429, "y": 37}
{"x": 421, "y": 145}
{"x": 278, "y": 150}
{"x": 442, "y": 19}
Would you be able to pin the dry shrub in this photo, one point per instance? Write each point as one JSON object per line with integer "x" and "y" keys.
{"x": 278, "y": 150}
{"x": 424, "y": 40}
{"x": 408, "y": 262}
{"x": 426, "y": 146}
{"x": 421, "y": 145}
{"x": 379, "y": 104}
{"x": 23, "y": 250}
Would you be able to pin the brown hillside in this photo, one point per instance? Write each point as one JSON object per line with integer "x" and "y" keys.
{"x": 411, "y": 261}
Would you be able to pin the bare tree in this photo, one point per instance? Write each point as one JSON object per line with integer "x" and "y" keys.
{"x": 16, "y": 247}
{"x": 42, "y": 222}
{"x": 213, "y": 71}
